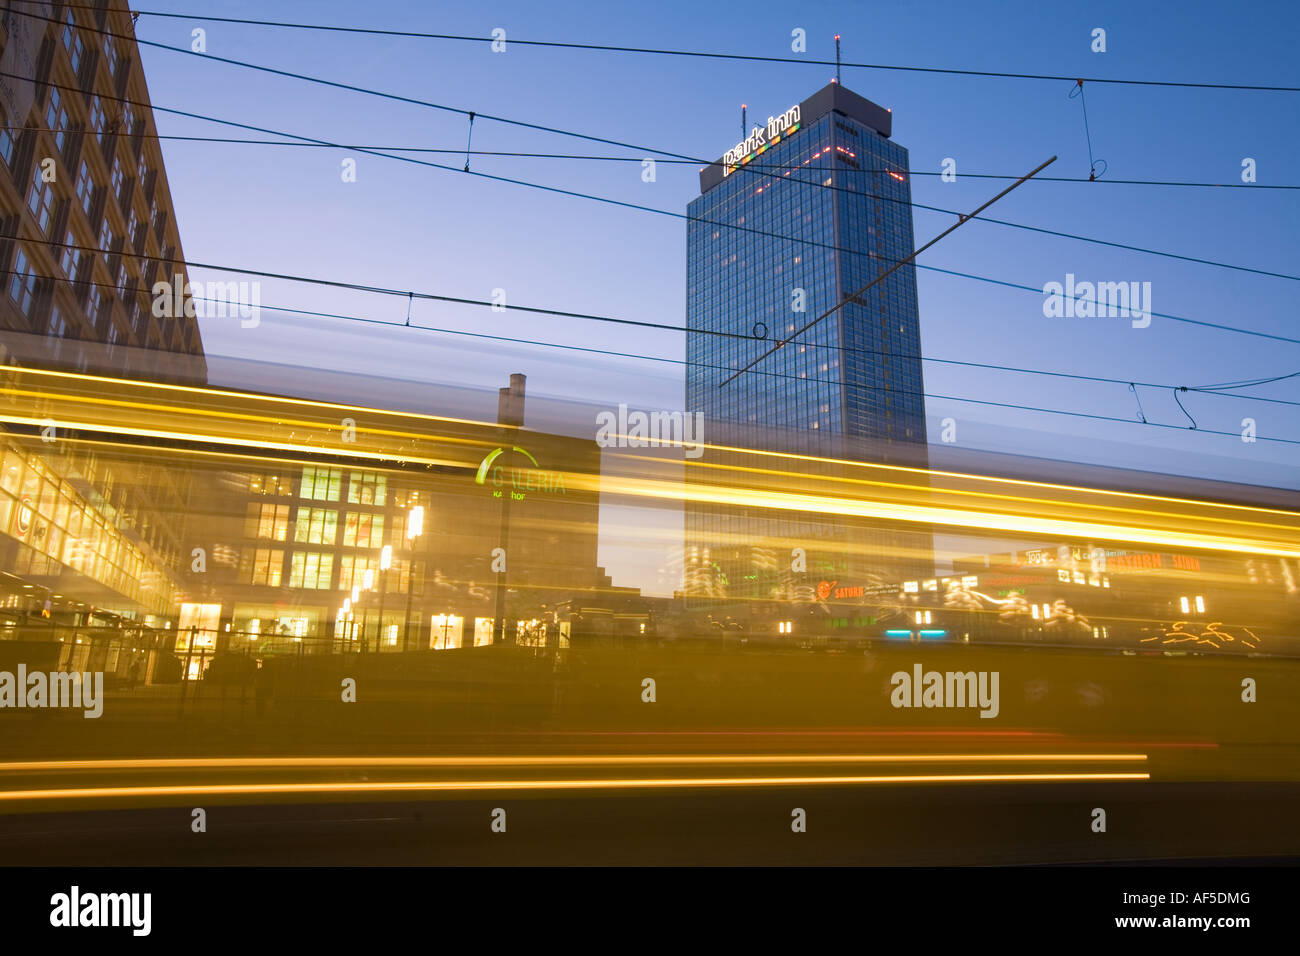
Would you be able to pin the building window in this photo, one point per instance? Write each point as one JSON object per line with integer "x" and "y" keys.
{"x": 118, "y": 178}
{"x": 58, "y": 325}
{"x": 267, "y": 521}
{"x": 22, "y": 287}
{"x": 105, "y": 236}
{"x": 71, "y": 258}
{"x": 97, "y": 117}
{"x": 128, "y": 119}
{"x": 56, "y": 117}
{"x": 110, "y": 56}
{"x": 85, "y": 187}
{"x": 270, "y": 484}
{"x": 41, "y": 200}
{"x": 261, "y": 566}
{"x": 362, "y": 530}
{"x": 316, "y": 526}
{"x": 352, "y": 571}
{"x": 95, "y": 305}
{"x": 321, "y": 484}
{"x": 72, "y": 41}
{"x": 311, "y": 569}
{"x": 367, "y": 488}
{"x": 6, "y": 141}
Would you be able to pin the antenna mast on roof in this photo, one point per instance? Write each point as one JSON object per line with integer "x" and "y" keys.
{"x": 837, "y": 58}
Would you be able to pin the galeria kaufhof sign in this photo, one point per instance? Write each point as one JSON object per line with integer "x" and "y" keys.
{"x": 762, "y": 137}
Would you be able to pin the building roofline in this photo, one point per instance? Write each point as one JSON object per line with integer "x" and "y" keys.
{"x": 833, "y": 97}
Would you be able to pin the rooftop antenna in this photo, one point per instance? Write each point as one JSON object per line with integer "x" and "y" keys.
{"x": 744, "y": 127}
{"x": 837, "y": 58}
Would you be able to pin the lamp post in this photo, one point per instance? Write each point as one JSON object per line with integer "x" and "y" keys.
{"x": 385, "y": 562}
{"x": 368, "y": 584}
{"x": 356, "y": 597}
{"x": 414, "y": 527}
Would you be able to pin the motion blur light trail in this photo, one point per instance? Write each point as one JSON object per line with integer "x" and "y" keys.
{"x": 96, "y": 793}
{"x": 545, "y": 761}
{"x": 189, "y": 415}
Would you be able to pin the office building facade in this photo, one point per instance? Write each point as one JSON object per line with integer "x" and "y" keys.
{"x": 809, "y": 209}
{"x": 91, "y": 539}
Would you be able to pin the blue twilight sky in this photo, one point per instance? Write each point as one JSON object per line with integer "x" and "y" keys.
{"x": 286, "y": 209}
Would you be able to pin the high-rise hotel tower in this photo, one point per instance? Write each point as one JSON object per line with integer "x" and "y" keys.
{"x": 808, "y": 209}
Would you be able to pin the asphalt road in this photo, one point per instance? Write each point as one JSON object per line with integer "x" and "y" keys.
{"x": 846, "y": 825}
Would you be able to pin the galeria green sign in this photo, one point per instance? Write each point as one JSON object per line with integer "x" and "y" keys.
{"x": 519, "y": 478}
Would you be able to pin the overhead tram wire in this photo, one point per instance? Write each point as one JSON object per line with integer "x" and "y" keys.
{"x": 632, "y": 159}
{"x": 471, "y": 114}
{"x": 782, "y": 375}
{"x": 884, "y": 275}
{"x": 668, "y": 161}
{"x": 639, "y": 323}
{"x": 705, "y": 365}
{"x": 703, "y": 54}
{"x": 630, "y": 205}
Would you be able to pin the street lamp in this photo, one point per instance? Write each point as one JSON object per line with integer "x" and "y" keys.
{"x": 385, "y": 562}
{"x": 367, "y": 584}
{"x": 414, "y": 528}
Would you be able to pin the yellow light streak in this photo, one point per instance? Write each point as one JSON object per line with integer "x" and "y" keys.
{"x": 454, "y": 786}
{"x": 879, "y": 466}
{"x": 152, "y": 763}
{"x": 931, "y": 514}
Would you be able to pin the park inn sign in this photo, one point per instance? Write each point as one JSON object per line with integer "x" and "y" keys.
{"x": 760, "y": 139}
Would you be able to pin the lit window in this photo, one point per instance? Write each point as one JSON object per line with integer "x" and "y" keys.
{"x": 310, "y": 569}
{"x": 261, "y": 566}
{"x": 321, "y": 484}
{"x": 363, "y": 530}
{"x": 352, "y": 571}
{"x": 316, "y": 526}
{"x": 367, "y": 488}
{"x": 267, "y": 521}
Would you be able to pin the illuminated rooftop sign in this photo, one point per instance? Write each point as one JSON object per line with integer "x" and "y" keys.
{"x": 520, "y": 480}
{"x": 758, "y": 141}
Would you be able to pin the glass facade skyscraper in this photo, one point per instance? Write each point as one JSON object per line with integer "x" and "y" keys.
{"x": 813, "y": 206}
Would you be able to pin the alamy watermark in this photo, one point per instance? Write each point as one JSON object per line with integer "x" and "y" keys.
{"x": 212, "y": 300}
{"x": 53, "y": 689}
{"x": 1087, "y": 300}
{"x": 637, "y": 429}
{"x": 76, "y": 909}
{"x": 946, "y": 689}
